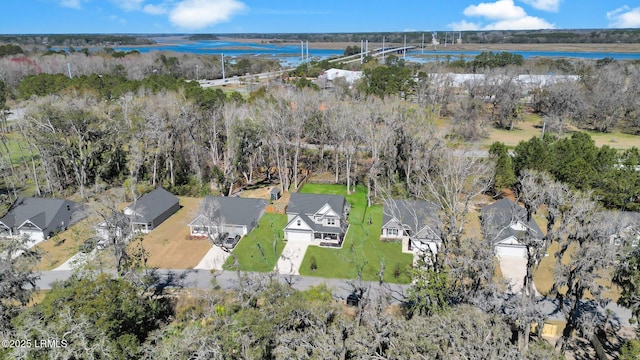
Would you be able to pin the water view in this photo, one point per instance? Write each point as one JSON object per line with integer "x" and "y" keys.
{"x": 290, "y": 54}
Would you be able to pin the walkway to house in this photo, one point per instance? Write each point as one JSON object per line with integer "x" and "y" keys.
{"x": 291, "y": 258}
{"x": 514, "y": 269}
{"x": 76, "y": 261}
{"x": 213, "y": 259}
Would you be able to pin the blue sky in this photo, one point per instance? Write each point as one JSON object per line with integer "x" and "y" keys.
{"x": 294, "y": 16}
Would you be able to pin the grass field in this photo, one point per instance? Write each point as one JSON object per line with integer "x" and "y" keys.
{"x": 17, "y": 147}
{"x": 168, "y": 246}
{"x": 362, "y": 248}
{"x": 531, "y": 127}
{"x": 260, "y": 249}
{"x": 543, "y": 276}
{"x": 55, "y": 252}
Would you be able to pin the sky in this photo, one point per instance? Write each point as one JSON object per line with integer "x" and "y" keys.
{"x": 309, "y": 16}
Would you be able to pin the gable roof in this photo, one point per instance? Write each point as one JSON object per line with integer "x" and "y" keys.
{"x": 43, "y": 213}
{"x": 151, "y": 205}
{"x": 412, "y": 214}
{"x": 499, "y": 217}
{"x": 229, "y": 211}
{"x": 310, "y": 203}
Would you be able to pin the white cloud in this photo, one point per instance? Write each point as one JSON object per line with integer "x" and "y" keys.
{"x": 155, "y": 9}
{"x": 128, "y": 5}
{"x": 524, "y": 23}
{"x": 74, "y": 4}
{"x": 624, "y": 17}
{"x": 503, "y": 15}
{"x": 464, "y": 25}
{"x": 501, "y": 9}
{"x": 545, "y": 5}
{"x": 198, "y": 14}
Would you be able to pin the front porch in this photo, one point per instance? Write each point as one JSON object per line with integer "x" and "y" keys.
{"x": 332, "y": 240}
{"x": 327, "y": 239}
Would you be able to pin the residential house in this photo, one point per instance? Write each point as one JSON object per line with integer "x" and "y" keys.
{"x": 506, "y": 223}
{"x": 626, "y": 225}
{"x": 233, "y": 215}
{"x": 317, "y": 219}
{"x": 417, "y": 221}
{"x": 40, "y": 218}
{"x": 150, "y": 210}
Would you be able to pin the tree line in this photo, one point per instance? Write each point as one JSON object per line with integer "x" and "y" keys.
{"x": 614, "y": 177}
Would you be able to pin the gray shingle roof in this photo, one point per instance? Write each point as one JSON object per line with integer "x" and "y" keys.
{"x": 310, "y": 203}
{"x": 412, "y": 213}
{"x": 46, "y": 214}
{"x": 231, "y": 211}
{"x": 153, "y": 204}
{"x": 498, "y": 217}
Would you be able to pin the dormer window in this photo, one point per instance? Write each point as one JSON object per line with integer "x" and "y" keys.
{"x": 299, "y": 223}
{"x": 331, "y": 221}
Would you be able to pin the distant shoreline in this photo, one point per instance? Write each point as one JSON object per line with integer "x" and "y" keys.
{"x": 620, "y": 48}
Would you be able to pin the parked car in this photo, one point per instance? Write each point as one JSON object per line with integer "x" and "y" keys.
{"x": 88, "y": 245}
{"x": 353, "y": 299}
{"x": 222, "y": 237}
{"x": 231, "y": 242}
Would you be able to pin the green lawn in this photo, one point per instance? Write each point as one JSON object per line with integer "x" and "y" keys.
{"x": 362, "y": 248}
{"x": 257, "y": 251}
{"x": 17, "y": 147}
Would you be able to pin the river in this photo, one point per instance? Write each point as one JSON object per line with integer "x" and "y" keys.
{"x": 290, "y": 54}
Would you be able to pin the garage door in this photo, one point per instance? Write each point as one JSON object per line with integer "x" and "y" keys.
{"x": 506, "y": 250}
{"x": 292, "y": 235}
{"x": 35, "y": 236}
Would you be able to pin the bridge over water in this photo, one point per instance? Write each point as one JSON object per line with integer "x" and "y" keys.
{"x": 375, "y": 53}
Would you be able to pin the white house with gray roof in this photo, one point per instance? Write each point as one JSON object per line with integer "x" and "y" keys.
{"x": 233, "y": 215}
{"x": 506, "y": 223}
{"x": 317, "y": 219}
{"x": 40, "y": 218}
{"x": 418, "y": 221}
{"x": 150, "y": 210}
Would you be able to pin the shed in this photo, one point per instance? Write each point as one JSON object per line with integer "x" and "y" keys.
{"x": 274, "y": 194}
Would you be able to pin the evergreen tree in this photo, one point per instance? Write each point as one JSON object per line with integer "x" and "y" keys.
{"x": 505, "y": 177}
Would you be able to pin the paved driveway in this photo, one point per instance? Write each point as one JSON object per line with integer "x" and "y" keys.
{"x": 76, "y": 261}
{"x": 291, "y": 258}
{"x": 514, "y": 269}
{"x": 213, "y": 259}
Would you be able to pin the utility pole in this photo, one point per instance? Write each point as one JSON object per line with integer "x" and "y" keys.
{"x": 404, "y": 51}
{"x": 197, "y": 73}
{"x": 222, "y": 60}
{"x": 307, "y": 50}
{"x": 69, "y": 70}
{"x": 383, "y": 50}
{"x": 361, "y": 51}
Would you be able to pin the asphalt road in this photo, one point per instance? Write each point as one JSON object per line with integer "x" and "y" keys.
{"x": 227, "y": 280}
{"x": 341, "y": 288}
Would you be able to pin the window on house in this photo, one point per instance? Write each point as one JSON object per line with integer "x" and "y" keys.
{"x": 331, "y": 221}
{"x": 393, "y": 232}
{"x": 299, "y": 222}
